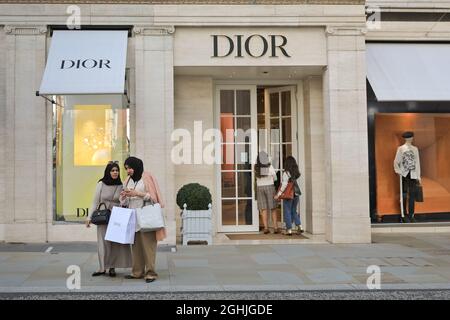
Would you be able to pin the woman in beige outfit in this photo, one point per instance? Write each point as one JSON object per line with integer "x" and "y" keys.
{"x": 111, "y": 255}
{"x": 139, "y": 187}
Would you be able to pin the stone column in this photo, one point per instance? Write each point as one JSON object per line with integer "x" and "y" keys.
{"x": 24, "y": 163}
{"x": 315, "y": 178}
{"x": 3, "y": 135}
{"x": 154, "y": 114}
{"x": 346, "y": 144}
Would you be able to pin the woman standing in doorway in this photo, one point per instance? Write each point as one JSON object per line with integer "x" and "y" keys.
{"x": 139, "y": 187}
{"x": 291, "y": 173}
{"x": 111, "y": 255}
{"x": 265, "y": 190}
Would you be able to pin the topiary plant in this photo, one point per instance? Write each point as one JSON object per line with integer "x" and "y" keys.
{"x": 196, "y": 197}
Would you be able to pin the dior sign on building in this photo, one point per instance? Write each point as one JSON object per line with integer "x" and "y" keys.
{"x": 86, "y": 62}
{"x": 249, "y": 46}
{"x": 254, "y": 45}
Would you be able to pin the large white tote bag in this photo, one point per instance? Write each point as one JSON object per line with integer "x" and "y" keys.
{"x": 121, "y": 226}
{"x": 150, "y": 218}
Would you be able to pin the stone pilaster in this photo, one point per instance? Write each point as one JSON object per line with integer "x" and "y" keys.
{"x": 25, "y": 148}
{"x": 346, "y": 144}
{"x": 154, "y": 111}
{"x": 3, "y": 132}
{"x": 314, "y": 155}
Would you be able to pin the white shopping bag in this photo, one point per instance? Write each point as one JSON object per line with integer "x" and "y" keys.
{"x": 150, "y": 218}
{"x": 121, "y": 226}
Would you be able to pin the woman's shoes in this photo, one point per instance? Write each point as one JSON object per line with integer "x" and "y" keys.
{"x": 98, "y": 273}
{"x": 112, "y": 272}
{"x": 266, "y": 231}
{"x": 148, "y": 280}
{"x": 129, "y": 276}
{"x": 277, "y": 230}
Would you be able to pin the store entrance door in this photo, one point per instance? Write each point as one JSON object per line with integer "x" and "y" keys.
{"x": 277, "y": 116}
{"x": 251, "y": 119}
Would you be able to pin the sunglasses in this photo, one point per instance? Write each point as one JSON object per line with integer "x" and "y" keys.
{"x": 113, "y": 162}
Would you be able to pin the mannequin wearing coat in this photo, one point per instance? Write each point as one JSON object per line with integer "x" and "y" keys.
{"x": 407, "y": 166}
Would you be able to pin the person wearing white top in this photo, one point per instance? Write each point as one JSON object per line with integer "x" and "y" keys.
{"x": 265, "y": 190}
{"x": 291, "y": 172}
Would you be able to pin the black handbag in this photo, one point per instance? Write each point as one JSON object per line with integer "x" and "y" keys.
{"x": 419, "y": 193}
{"x": 101, "y": 216}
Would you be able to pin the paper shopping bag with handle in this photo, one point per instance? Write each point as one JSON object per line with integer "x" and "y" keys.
{"x": 121, "y": 226}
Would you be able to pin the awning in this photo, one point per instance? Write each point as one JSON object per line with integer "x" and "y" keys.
{"x": 86, "y": 62}
{"x": 409, "y": 72}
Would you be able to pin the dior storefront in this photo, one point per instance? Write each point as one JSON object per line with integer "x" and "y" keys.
{"x": 168, "y": 83}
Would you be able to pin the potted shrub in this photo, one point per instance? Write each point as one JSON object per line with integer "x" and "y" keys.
{"x": 195, "y": 202}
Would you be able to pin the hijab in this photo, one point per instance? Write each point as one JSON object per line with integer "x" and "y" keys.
{"x": 138, "y": 167}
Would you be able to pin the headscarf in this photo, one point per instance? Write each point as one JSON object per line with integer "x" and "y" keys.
{"x": 107, "y": 179}
{"x": 138, "y": 167}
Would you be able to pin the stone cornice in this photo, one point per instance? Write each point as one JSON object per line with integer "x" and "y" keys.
{"x": 153, "y": 30}
{"x": 25, "y": 30}
{"x": 193, "y": 2}
{"x": 345, "y": 31}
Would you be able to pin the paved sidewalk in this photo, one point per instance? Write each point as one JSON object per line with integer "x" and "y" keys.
{"x": 407, "y": 261}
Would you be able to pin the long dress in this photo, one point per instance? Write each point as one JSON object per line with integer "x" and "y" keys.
{"x": 110, "y": 254}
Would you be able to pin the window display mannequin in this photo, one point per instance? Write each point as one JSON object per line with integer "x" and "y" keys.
{"x": 407, "y": 166}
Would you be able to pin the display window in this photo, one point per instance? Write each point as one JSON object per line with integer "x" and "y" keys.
{"x": 88, "y": 132}
{"x": 431, "y": 137}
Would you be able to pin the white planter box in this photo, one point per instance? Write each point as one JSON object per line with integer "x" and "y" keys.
{"x": 196, "y": 225}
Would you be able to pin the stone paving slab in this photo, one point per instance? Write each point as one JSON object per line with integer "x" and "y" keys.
{"x": 227, "y": 268}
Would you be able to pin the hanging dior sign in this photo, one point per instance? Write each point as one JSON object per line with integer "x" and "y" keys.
{"x": 86, "y": 62}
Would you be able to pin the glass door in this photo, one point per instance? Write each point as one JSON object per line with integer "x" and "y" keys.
{"x": 281, "y": 127}
{"x": 236, "y": 118}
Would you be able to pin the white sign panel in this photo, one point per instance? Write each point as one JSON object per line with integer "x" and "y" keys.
{"x": 306, "y": 46}
{"x": 409, "y": 71}
{"x": 86, "y": 62}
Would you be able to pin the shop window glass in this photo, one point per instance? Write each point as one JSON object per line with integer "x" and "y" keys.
{"x": 432, "y": 138}
{"x": 89, "y": 131}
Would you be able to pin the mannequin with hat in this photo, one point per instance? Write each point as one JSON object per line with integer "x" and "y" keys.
{"x": 407, "y": 166}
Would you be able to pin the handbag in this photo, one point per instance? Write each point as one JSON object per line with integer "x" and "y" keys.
{"x": 101, "y": 216}
{"x": 150, "y": 217}
{"x": 419, "y": 193}
{"x": 288, "y": 193}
